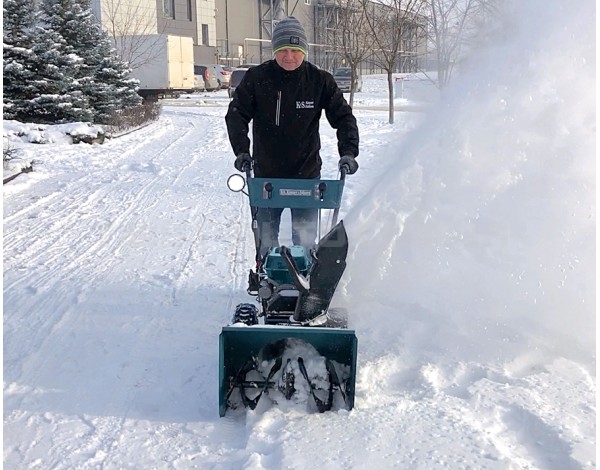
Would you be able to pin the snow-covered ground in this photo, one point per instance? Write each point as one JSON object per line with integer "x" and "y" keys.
{"x": 470, "y": 281}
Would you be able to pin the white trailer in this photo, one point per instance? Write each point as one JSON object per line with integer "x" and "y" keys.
{"x": 163, "y": 63}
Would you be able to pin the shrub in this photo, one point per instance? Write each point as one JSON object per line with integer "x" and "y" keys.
{"x": 133, "y": 117}
{"x": 8, "y": 153}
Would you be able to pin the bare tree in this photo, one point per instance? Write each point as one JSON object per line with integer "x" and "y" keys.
{"x": 395, "y": 26}
{"x": 354, "y": 39}
{"x": 453, "y": 24}
{"x": 133, "y": 28}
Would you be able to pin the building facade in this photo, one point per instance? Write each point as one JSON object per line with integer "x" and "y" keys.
{"x": 245, "y": 27}
{"x": 189, "y": 18}
{"x": 244, "y": 31}
{"x": 234, "y": 32}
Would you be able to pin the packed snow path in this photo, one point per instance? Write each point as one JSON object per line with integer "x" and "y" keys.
{"x": 132, "y": 254}
{"x": 120, "y": 272}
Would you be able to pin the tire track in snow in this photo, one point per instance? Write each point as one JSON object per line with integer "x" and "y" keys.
{"x": 72, "y": 213}
{"x": 189, "y": 251}
{"x": 113, "y": 152}
{"x": 102, "y": 250}
{"x": 44, "y": 268}
{"x": 122, "y": 209}
{"x": 239, "y": 257}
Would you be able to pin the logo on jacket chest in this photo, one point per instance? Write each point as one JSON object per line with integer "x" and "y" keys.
{"x": 305, "y": 104}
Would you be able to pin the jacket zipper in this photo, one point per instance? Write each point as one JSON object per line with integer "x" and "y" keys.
{"x": 278, "y": 110}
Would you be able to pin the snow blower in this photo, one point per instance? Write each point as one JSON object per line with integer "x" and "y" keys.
{"x": 290, "y": 345}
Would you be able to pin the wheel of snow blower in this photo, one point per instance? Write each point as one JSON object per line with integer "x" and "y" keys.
{"x": 246, "y": 313}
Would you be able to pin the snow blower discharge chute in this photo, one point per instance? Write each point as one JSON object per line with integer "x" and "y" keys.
{"x": 292, "y": 346}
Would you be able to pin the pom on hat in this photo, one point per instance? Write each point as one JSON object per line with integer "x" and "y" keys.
{"x": 289, "y": 34}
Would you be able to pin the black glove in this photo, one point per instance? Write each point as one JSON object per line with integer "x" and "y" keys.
{"x": 243, "y": 162}
{"x": 349, "y": 163}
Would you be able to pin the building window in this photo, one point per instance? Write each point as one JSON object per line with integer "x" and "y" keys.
{"x": 205, "y": 35}
{"x": 307, "y": 2}
{"x": 169, "y": 8}
{"x": 189, "y": 10}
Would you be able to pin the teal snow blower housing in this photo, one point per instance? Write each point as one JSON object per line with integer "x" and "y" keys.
{"x": 276, "y": 267}
{"x": 291, "y": 345}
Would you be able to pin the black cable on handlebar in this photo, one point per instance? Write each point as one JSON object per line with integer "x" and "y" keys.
{"x": 253, "y": 213}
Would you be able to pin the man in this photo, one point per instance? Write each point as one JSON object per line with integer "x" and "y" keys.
{"x": 284, "y": 99}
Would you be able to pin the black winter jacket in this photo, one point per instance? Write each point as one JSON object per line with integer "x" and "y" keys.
{"x": 285, "y": 109}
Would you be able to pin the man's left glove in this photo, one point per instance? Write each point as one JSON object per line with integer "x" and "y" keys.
{"x": 243, "y": 162}
{"x": 349, "y": 163}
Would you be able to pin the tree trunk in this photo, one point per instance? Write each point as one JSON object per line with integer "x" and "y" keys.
{"x": 390, "y": 80}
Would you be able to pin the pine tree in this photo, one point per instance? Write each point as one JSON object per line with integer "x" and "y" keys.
{"x": 53, "y": 94}
{"x": 18, "y": 21}
{"x": 101, "y": 76}
{"x": 37, "y": 76}
{"x": 113, "y": 89}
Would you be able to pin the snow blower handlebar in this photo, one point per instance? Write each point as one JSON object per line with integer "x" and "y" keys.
{"x": 295, "y": 193}
{"x": 289, "y": 193}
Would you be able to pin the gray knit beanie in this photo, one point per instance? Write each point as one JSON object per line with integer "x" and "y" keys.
{"x": 289, "y": 34}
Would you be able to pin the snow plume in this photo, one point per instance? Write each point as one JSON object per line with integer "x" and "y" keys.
{"x": 486, "y": 215}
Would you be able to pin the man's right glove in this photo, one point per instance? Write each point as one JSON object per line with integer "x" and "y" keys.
{"x": 243, "y": 162}
{"x": 349, "y": 163}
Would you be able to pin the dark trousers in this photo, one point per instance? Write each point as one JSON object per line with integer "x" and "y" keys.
{"x": 304, "y": 228}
